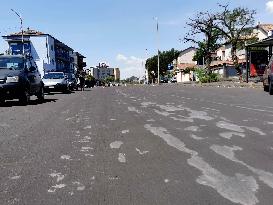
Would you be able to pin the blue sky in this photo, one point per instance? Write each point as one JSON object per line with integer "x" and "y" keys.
{"x": 115, "y": 31}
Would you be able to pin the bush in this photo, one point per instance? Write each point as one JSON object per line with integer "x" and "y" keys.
{"x": 204, "y": 77}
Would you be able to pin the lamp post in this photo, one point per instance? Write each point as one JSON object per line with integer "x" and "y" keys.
{"x": 146, "y": 66}
{"x": 21, "y": 22}
{"x": 157, "y": 31}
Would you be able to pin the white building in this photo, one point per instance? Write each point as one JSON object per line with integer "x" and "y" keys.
{"x": 185, "y": 60}
{"x": 102, "y": 71}
{"x": 49, "y": 53}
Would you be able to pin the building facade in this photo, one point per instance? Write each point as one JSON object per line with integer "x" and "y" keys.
{"x": 49, "y": 53}
{"x": 102, "y": 71}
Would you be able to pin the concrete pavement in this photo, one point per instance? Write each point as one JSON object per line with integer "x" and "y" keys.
{"x": 165, "y": 144}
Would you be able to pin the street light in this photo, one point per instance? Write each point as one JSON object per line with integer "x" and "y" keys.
{"x": 21, "y": 22}
{"x": 147, "y": 69}
{"x": 157, "y": 31}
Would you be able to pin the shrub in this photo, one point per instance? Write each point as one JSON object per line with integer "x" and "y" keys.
{"x": 204, "y": 77}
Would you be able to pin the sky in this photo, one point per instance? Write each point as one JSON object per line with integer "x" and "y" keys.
{"x": 121, "y": 33}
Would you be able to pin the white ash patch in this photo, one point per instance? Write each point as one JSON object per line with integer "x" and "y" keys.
{"x": 166, "y": 114}
{"x": 15, "y": 177}
{"x": 228, "y": 153}
{"x": 80, "y": 186}
{"x": 87, "y": 127}
{"x": 141, "y": 152}
{"x": 122, "y": 158}
{"x": 238, "y": 189}
{"x": 65, "y": 157}
{"x": 116, "y": 144}
{"x": 53, "y": 189}
{"x": 229, "y": 135}
{"x": 192, "y": 128}
{"x": 133, "y": 109}
{"x": 57, "y": 175}
{"x": 125, "y": 131}
{"x": 86, "y": 149}
{"x": 195, "y": 137}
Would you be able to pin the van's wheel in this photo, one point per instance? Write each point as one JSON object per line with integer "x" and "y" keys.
{"x": 41, "y": 95}
{"x": 25, "y": 98}
{"x": 270, "y": 87}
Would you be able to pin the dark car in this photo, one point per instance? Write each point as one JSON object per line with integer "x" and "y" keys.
{"x": 268, "y": 77}
{"x": 19, "y": 79}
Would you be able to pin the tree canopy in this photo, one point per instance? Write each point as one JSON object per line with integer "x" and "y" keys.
{"x": 165, "y": 58}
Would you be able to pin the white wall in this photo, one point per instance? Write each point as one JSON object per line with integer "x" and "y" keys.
{"x": 42, "y": 54}
{"x": 187, "y": 57}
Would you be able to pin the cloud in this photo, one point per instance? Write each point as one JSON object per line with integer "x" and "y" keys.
{"x": 269, "y": 6}
{"x": 130, "y": 66}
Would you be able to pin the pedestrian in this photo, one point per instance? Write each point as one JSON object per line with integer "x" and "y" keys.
{"x": 82, "y": 82}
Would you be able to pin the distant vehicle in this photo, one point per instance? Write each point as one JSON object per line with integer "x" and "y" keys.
{"x": 19, "y": 79}
{"x": 56, "y": 81}
{"x": 173, "y": 80}
{"x": 268, "y": 77}
{"x": 164, "y": 80}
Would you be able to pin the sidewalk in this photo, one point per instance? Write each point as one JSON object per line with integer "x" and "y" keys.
{"x": 225, "y": 84}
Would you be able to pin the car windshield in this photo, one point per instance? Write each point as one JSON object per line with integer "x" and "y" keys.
{"x": 54, "y": 76}
{"x": 12, "y": 63}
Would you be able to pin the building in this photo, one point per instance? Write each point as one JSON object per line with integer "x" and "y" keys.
{"x": 184, "y": 61}
{"x": 102, "y": 71}
{"x": 117, "y": 74}
{"x": 223, "y": 63}
{"x": 49, "y": 53}
{"x": 78, "y": 61}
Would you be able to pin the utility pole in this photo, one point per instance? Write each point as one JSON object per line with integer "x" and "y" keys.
{"x": 158, "y": 70}
{"x": 21, "y": 22}
{"x": 146, "y": 66}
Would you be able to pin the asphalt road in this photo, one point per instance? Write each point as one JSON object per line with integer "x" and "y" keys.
{"x": 139, "y": 145}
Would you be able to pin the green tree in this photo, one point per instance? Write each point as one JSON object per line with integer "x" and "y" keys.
{"x": 236, "y": 27}
{"x": 165, "y": 58}
{"x": 203, "y": 26}
{"x": 109, "y": 79}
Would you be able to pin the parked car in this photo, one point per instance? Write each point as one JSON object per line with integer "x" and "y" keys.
{"x": 56, "y": 81}
{"x": 19, "y": 79}
{"x": 164, "y": 80}
{"x": 173, "y": 80}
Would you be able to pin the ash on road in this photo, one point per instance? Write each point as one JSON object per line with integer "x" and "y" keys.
{"x": 165, "y": 144}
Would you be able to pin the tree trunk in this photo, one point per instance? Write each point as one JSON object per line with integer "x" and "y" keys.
{"x": 236, "y": 62}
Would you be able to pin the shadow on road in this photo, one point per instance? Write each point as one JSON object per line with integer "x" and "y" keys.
{"x": 32, "y": 102}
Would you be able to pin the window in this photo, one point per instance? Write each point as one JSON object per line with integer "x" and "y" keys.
{"x": 52, "y": 48}
{"x": 53, "y": 62}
